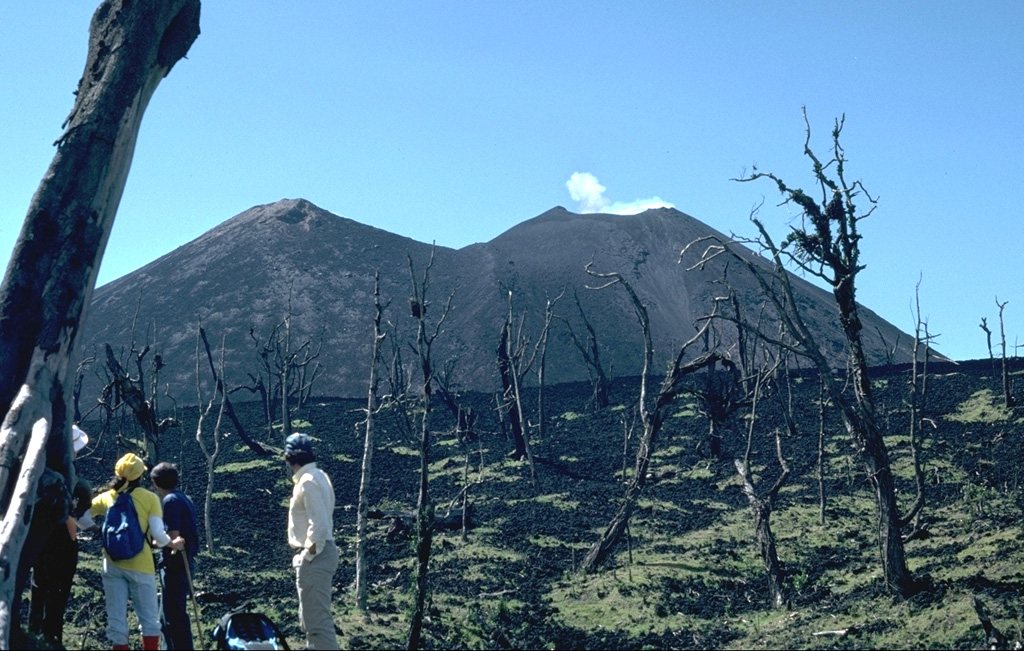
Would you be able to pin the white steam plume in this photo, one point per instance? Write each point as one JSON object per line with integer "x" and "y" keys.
{"x": 585, "y": 188}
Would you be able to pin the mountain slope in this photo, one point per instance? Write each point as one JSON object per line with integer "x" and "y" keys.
{"x": 241, "y": 276}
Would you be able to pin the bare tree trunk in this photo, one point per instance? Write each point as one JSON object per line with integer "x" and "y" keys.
{"x": 988, "y": 341}
{"x": 821, "y": 453}
{"x": 424, "y": 511}
{"x": 213, "y": 452}
{"x": 651, "y": 422}
{"x": 286, "y": 415}
{"x": 591, "y": 354}
{"x": 132, "y": 393}
{"x": 364, "y": 473}
{"x": 517, "y": 405}
{"x": 918, "y": 395}
{"x": 762, "y": 508}
{"x": 542, "y": 344}
{"x": 509, "y": 405}
{"x": 52, "y": 272}
{"x": 862, "y": 425}
{"x": 1008, "y": 400}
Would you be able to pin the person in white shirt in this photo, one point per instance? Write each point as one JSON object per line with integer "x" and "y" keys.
{"x": 311, "y": 534}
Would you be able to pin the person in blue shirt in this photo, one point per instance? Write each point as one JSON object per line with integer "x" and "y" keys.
{"x": 180, "y": 520}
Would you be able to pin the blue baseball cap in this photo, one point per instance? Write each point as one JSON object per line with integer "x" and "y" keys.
{"x": 298, "y": 443}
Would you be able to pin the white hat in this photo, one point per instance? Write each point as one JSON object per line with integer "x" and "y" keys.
{"x": 78, "y": 438}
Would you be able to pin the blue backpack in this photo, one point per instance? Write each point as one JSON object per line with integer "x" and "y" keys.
{"x": 121, "y": 532}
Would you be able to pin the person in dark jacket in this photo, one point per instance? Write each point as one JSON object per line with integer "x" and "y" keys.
{"x": 54, "y": 571}
{"x": 180, "y": 520}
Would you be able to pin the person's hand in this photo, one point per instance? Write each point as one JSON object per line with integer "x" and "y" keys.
{"x": 177, "y": 544}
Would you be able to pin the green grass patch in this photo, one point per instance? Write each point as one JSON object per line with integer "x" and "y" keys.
{"x": 246, "y": 466}
{"x": 981, "y": 407}
{"x": 688, "y": 410}
{"x": 561, "y": 501}
{"x": 403, "y": 450}
{"x": 701, "y": 470}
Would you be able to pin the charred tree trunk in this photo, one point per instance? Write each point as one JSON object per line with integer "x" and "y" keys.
{"x": 828, "y": 248}
{"x": 821, "y": 453}
{"x": 762, "y": 510}
{"x": 651, "y": 422}
{"x": 211, "y": 452}
{"x": 424, "y": 510}
{"x": 364, "y": 473}
{"x": 1008, "y": 400}
{"x": 591, "y": 354}
{"x": 508, "y": 405}
{"x": 862, "y": 425}
{"x": 144, "y": 408}
{"x": 918, "y": 396}
{"x": 52, "y": 272}
{"x": 763, "y": 507}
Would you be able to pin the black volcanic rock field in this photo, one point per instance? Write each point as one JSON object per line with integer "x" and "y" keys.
{"x": 690, "y": 575}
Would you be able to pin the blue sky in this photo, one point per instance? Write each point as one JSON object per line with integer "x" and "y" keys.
{"x": 452, "y": 122}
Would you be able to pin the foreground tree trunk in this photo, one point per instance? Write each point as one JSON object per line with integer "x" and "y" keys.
{"x": 52, "y": 273}
{"x": 827, "y": 246}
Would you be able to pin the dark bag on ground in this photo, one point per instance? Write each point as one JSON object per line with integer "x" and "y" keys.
{"x": 248, "y": 630}
{"x": 121, "y": 532}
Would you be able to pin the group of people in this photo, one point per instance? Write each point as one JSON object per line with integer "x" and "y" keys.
{"x": 168, "y": 519}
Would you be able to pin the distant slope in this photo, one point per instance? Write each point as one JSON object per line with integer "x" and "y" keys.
{"x": 241, "y": 275}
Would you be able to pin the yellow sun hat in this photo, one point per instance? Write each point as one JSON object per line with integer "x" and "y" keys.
{"x": 129, "y": 467}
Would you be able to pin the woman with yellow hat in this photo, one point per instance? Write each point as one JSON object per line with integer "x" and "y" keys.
{"x": 136, "y": 576}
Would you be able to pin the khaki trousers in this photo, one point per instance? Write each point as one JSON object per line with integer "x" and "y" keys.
{"x": 314, "y": 581}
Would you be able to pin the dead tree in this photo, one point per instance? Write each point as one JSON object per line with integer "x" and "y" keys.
{"x": 131, "y": 391}
{"x": 827, "y": 246}
{"x": 466, "y": 436}
{"x": 52, "y": 272}
{"x": 650, "y": 419}
{"x": 1008, "y": 400}
{"x": 988, "y": 342}
{"x": 542, "y": 344}
{"x": 281, "y": 370}
{"x": 506, "y": 406}
{"x": 918, "y": 397}
{"x": 77, "y": 391}
{"x": 762, "y": 507}
{"x": 364, "y": 474}
{"x": 212, "y": 451}
{"x": 821, "y": 451}
{"x": 515, "y": 360}
{"x": 424, "y": 513}
{"x": 229, "y": 409}
{"x": 591, "y": 354}
{"x": 721, "y": 396}
{"x": 465, "y": 417}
